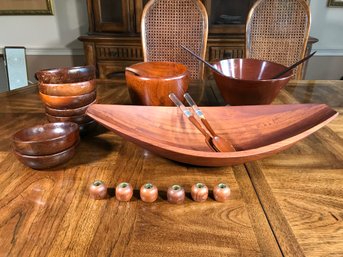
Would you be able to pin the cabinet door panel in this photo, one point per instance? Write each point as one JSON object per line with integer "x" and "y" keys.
{"x": 112, "y": 15}
{"x": 227, "y": 16}
{"x": 139, "y": 6}
{"x": 217, "y": 53}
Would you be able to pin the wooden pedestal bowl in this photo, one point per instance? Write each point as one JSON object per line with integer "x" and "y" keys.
{"x": 47, "y": 161}
{"x": 154, "y": 81}
{"x": 66, "y": 75}
{"x": 68, "y": 102}
{"x": 46, "y": 139}
{"x": 248, "y": 81}
{"x": 68, "y": 89}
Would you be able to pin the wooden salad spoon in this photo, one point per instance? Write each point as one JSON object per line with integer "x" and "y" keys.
{"x": 134, "y": 71}
{"x": 293, "y": 66}
{"x": 139, "y": 72}
{"x": 191, "y": 118}
{"x": 207, "y": 63}
{"x": 220, "y": 142}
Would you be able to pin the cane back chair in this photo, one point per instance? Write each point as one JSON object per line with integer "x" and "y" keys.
{"x": 278, "y": 31}
{"x": 167, "y": 24}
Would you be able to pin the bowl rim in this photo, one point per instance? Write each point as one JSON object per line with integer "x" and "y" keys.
{"x": 70, "y": 84}
{"x": 68, "y": 96}
{"x": 265, "y": 80}
{"x": 75, "y": 73}
{"x": 73, "y": 125}
{"x": 184, "y": 74}
{"x": 38, "y": 160}
{"x": 72, "y": 116}
{"x": 69, "y": 68}
{"x": 71, "y": 109}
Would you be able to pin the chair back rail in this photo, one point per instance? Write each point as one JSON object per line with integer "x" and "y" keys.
{"x": 168, "y": 24}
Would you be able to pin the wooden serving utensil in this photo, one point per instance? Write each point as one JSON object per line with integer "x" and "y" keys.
{"x": 293, "y": 66}
{"x": 191, "y": 118}
{"x": 220, "y": 142}
{"x": 207, "y": 63}
{"x": 134, "y": 71}
{"x": 141, "y": 72}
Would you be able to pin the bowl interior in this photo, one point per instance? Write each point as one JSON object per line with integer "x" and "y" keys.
{"x": 255, "y": 131}
{"x": 250, "y": 69}
{"x": 160, "y": 69}
{"x": 46, "y": 132}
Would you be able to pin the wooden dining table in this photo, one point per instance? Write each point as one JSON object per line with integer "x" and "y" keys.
{"x": 289, "y": 204}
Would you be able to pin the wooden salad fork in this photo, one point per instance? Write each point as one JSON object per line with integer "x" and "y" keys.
{"x": 220, "y": 142}
{"x": 191, "y": 118}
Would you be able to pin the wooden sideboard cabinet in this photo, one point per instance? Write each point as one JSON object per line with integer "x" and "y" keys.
{"x": 114, "y": 42}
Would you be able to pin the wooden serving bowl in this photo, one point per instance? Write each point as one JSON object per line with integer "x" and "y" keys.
{"x": 248, "y": 81}
{"x": 68, "y": 102}
{"x": 46, "y": 139}
{"x": 80, "y": 119}
{"x": 66, "y": 75}
{"x": 68, "y": 89}
{"x": 67, "y": 112}
{"x": 46, "y": 161}
{"x": 156, "y": 81}
{"x": 255, "y": 131}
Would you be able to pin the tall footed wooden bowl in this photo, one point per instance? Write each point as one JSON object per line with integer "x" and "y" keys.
{"x": 249, "y": 81}
{"x": 150, "y": 83}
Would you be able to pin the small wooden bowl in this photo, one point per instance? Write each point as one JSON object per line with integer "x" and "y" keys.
{"x": 248, "y": 81}
{"x": 68, "y": 112}
{"x": 46, "y": 139}
{"x": 80, "y": 119}
{"x": 156, "y": 82}
{"x": 68, "y": 89}
{"x": 66, "y": 75}
{"x": 68, "y": 102}
{"x": 46, "y": 161}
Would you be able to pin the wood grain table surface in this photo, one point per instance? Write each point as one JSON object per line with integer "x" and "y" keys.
{"x": 290, "y": 204}
{"x": 301, "y": 189}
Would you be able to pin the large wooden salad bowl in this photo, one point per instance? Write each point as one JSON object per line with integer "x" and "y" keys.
{"x": 255, "y": 131}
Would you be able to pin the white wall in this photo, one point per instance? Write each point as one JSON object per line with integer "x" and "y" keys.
{"x": 327, "y": 26}
{"x": 46, "y": 34}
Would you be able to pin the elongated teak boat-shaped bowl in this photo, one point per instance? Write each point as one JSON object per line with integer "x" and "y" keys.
{"x": 255, "y": 131}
